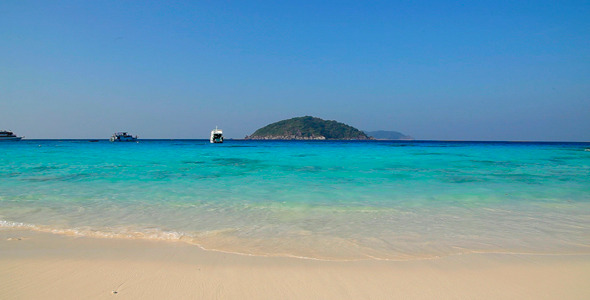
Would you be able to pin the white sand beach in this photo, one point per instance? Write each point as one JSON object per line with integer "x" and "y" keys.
{"x": 36, "y": 265}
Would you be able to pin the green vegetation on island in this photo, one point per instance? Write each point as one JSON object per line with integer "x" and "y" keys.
{"x": 308, "y": 128}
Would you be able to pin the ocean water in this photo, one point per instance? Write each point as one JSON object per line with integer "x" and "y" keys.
{"x": 318, "y": 199}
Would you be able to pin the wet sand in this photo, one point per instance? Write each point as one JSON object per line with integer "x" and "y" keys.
{"x": 35, "y": 265}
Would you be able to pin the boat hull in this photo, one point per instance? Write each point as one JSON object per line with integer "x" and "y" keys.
{"x": 11, "y": 139}
{"x": 216, "y": 136}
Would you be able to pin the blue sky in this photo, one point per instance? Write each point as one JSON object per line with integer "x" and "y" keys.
{"x": 473, "y": 70}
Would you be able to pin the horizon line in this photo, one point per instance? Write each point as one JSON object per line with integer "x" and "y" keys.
{"x": 327, "y": 140}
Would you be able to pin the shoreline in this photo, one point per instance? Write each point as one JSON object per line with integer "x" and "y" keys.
{"x": 37, "y": 265}
{"x": 179, "y": 237}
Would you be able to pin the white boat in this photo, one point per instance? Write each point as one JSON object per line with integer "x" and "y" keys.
{"x": 123, "y": 137}
{"x": 6, "y": 135}
{"x": 216, "y": 136}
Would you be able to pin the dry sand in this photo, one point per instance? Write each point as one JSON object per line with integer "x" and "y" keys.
{"x": 36, "y": 265}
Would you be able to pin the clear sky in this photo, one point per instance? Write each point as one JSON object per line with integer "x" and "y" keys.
{"x": 473, "y": 70}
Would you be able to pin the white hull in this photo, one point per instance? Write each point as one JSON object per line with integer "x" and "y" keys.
{"x": 123, "y": 139}
{"x": 216, "y": 136}
{"x": 11, "y": 138}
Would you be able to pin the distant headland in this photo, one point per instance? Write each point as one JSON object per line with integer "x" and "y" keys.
{"x": 388, "y": 135}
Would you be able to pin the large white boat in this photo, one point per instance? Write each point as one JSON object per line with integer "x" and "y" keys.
{"x": 123, "y": 137}
{"x": 216, "y": 136}
{"x": 6, "y": 135}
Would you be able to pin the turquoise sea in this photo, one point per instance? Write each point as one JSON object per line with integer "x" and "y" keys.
{"x": 318, "y": 199}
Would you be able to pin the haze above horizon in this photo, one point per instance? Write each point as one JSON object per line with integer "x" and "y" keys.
{"x": 491, "y": 70}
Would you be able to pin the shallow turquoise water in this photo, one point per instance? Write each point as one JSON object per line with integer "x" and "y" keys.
{"x": 327, "y": 200}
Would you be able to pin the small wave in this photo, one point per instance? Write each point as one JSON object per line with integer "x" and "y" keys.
{"x": 223, "y": 240}
{"x": 154, "y": 234}
{"x": 15, "y": 225}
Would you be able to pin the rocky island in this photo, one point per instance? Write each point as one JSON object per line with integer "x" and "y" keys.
{"x": 308, "y": 128}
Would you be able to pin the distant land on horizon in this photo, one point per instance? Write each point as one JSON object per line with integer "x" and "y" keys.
{"x": 388, "y": 135}
{"x": 308, "y": 128}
